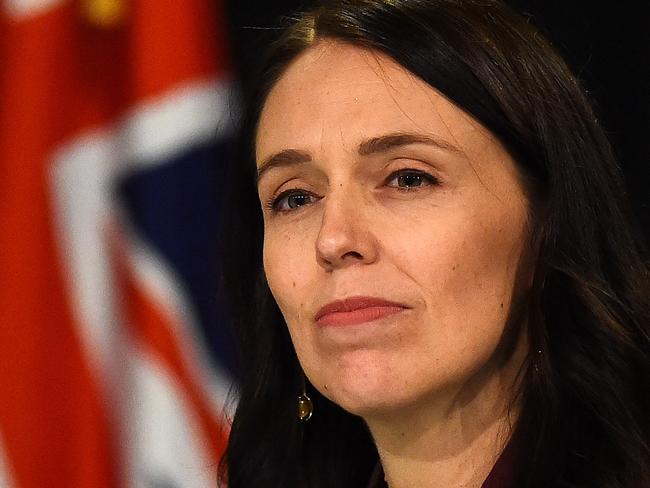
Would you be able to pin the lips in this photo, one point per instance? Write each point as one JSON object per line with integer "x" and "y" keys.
{"x": 356, "y": 310}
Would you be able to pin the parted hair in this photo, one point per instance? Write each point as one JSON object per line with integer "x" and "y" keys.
{"x": 583, "y": 403}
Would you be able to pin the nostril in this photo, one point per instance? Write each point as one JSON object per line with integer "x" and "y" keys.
{"x": 353, "y": 254}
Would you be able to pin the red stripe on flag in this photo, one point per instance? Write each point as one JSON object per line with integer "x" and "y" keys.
{"x": 66, "y": 75}
{"x": 56, "y": 428}
{"x": 59, "y": 75}
{"x": 171, "y": 43}
{"x": 153, "y": 331}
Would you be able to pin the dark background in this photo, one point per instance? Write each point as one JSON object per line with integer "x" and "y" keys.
{"x": 606, "y": 43}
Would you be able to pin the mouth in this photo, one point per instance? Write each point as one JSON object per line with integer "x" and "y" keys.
{"x": 356, "y": 310}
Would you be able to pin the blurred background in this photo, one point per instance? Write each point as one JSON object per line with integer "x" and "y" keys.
{"x": 116, "y": 361}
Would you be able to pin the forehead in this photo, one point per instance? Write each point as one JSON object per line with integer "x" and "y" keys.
{"x": 338, "y": 94}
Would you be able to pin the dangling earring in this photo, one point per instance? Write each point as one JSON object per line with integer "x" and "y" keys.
{"x": 305, "y": 405}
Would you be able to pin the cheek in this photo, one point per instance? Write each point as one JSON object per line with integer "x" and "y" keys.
{"x": 285, "y": 266}
{"x": 467, "y": 272}
{"x": 285, "y": 262}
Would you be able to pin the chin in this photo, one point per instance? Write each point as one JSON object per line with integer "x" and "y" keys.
{"x": 368, "y": 403}
{"x": 366, "y": 391}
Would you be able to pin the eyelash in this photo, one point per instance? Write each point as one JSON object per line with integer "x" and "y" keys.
{"x": 273, "y": 203}
{"x": 429, "y": 178}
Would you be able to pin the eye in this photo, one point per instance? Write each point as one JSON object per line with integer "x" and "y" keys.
{"x": 407, "y": 179}
{"x": 290, "y": 200}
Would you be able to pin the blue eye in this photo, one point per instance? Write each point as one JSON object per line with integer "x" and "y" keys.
{"x": 410, "y": 178}
{"x": 291, "y": 200}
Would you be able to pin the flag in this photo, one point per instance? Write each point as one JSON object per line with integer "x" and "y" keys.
{"x": 115, "y": 362}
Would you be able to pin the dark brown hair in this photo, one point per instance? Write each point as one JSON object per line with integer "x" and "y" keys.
{"x": 584, "y": 398}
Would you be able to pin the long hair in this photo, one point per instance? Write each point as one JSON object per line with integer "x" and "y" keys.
{"x": 584, "y": 395}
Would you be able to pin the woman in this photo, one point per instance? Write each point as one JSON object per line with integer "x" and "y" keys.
{"x": 428, "y": 252}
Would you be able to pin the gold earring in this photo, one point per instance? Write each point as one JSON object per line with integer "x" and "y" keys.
{"x": 305, "y": 405}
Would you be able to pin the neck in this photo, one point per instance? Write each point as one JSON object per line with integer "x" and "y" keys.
{"x": 453, "y": 439}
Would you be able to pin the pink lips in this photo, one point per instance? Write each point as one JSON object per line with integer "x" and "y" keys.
{"x": 356, "y": 310}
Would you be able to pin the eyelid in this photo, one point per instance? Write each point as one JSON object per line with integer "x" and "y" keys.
{"x": 403, "y": 162}
{"x": 274, "y": 194}
{"x": 431, "y": 178}
{"x": 272, "y": 203}
{"x": 415, "y": 160}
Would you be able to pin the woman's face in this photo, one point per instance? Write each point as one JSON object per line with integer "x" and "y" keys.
{"x": 390, "y": 204}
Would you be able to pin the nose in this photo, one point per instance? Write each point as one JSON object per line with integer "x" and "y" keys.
{"x": 345, "y": 237}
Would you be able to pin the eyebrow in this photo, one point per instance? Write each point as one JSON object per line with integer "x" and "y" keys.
{"x": 374, "y": 145}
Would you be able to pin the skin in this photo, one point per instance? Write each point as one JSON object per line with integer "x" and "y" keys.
{"x": 445, "y": 239}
